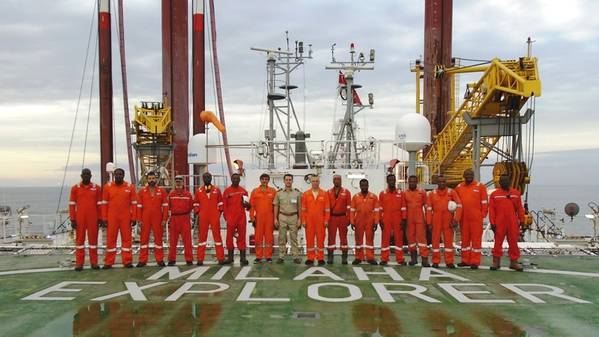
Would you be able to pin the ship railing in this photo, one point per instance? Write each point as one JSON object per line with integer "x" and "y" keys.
{"x": 32, "y": 226}
{"x": 326, "y": 154}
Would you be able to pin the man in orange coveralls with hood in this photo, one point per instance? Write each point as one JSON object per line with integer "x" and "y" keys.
{"x": 85, "y": 203}
{"x": 393, "y": 210}
{"x": 506, "y": 216}
{"x": 262, "y": 218}
{"x": 119, "y": 201}
{"x": 364, "y": 217}
{"x": 315, "y": 218}
{"x": 442, "y": 220}
{"x": 415, "y": 200}
{"x": 152, "y": 212}
{"x": 474, "y": 202}
{"x": 208, "y": 205}
{"x": 180, "y": 205}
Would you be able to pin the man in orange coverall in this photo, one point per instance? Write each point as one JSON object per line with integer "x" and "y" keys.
{"x": 442, "y": 221}
{"x": 180, "y": 204}
{"x": 392, "y": 212}
{"x": 119, "y": 207}
{"x": 364, "y": 218}
{"x": 415, "y": 200}
{"x": 506, "y": 215}
{"x": 262, "y": 218}
{"x": 234, "y": 207}
{"x": 474, "y": 202}
{"x": 315, "y": 218}
{"x": 152, "y": 212}
{"x": 208, "y": 205}
{"x": 340, "y": 201}
{"x": 85, "y": 204}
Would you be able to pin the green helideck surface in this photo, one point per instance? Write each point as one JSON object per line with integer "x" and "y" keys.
{"x": 222, "y": 314}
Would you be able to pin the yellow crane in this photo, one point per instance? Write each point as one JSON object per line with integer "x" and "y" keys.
{"x": 490, "y": 110}
{"x": 153, "y": 129}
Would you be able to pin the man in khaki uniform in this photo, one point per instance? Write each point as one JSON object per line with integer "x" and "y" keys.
{"x": 287, "y": 207}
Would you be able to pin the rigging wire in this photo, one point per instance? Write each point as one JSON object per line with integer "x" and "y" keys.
{"x": 66, "y": 167}
{"x": 215, "y": 97}
{"x": 89, "y": 107}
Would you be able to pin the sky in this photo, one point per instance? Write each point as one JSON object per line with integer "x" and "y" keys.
{"x": 45, "y": 43}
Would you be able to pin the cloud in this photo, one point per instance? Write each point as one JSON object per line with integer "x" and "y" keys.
{"x": 45, "y": 44}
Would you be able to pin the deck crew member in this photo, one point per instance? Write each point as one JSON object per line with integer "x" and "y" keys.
{"x": 119, "y": 208}
{"x": 85, "y": 204}
{"x": 474, "y": 209}
{"x": 364, "y": 217}
{"x": 262, "y": 218}
{"x": 208, "y": 205}
{"x": 506, "y": 216}
{"x": 287, "y": 205}
{"x": 392, "y": 212}
{"x": 340, "y": 201}
{"x": 443, "y": 221}
{"x": 234, "y": 207}
{"x": 180, "y": 205}
{"x": 152, "y": 212}
{"x": 415, "y": 199}
{"x": 315, "y": 219}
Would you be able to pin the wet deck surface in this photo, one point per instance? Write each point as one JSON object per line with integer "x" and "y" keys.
{"x": 221, "y": 314}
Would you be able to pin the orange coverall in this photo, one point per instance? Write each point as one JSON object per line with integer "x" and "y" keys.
{"x": 180, "y": 204}
{"x": 364, "y": 215}
{"x": 315, "y": 214}
{"x": 506, "y": 213}
{"x": 152, "y": 210}
{"x": 208, "y": 205}
{"x": 339, "y": 220}
{"x": 234, "y": 213}
{"x": 415, "y": 201}
{"x": 438, "y": 215}
{"x": 474, "y": 203}
{"x": 119, "y": 208}
{"x": 392, "y": 209}
{"x": 262, "y": 213}
{"x": 85, "y": 203}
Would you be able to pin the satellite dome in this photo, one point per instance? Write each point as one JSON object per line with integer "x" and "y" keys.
{"x": 413, "y": 132}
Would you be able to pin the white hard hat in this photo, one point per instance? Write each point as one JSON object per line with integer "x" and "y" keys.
{"x": 452, "y": 206}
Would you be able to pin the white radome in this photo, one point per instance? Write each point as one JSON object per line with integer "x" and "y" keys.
{"x": 452, "y": 206}
{"x": 413, "y": 132}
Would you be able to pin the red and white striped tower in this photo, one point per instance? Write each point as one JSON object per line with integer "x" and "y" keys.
{"x": 105, "y": 65}
{"x": 199, "y": 100}
{"x": 175, "y": 75}
{"x": 198, "y": 72}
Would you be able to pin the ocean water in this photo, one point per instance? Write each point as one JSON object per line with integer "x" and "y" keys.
{"x": 43, "y": 202}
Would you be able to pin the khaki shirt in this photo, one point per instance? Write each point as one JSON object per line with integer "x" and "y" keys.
{"x": 288, "y": 200}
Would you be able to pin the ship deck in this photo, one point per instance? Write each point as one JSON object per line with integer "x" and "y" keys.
{"x": 341, "y": 305}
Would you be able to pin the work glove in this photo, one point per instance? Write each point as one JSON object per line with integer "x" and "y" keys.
{"x": 404, "y": 224}
{"x": 74, "y": 224}
{"x": 493, "y": 227}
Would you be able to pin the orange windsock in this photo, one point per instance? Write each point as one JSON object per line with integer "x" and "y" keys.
{"x": 210, "y": 117}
